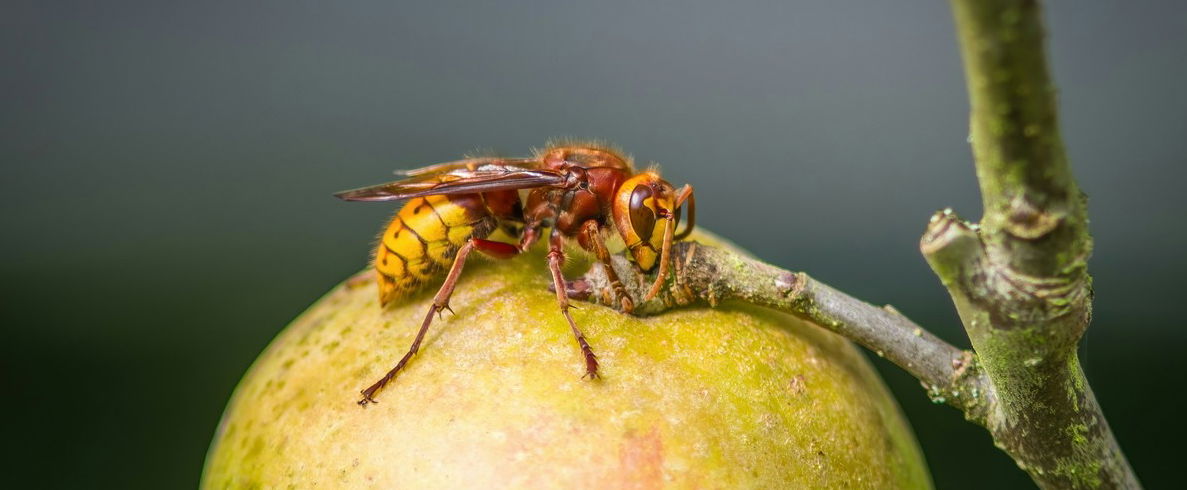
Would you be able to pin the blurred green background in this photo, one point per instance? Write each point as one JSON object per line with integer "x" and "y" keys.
{"x": 167, "y": 171}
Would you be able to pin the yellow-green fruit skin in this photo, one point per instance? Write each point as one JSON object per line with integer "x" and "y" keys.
{"x": 727, "y": 397}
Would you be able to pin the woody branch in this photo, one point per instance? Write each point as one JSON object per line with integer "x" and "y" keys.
{"x": 703, "y": 275}
{"x": 1019, "y": 279}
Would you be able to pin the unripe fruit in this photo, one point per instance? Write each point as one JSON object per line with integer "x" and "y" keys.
{"x": 732, "y": 397}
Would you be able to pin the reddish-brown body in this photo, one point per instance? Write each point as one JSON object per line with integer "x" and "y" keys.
{"x": 580, "y": 192}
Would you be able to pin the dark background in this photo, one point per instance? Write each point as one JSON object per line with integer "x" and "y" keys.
{"x": 167, "y": 170}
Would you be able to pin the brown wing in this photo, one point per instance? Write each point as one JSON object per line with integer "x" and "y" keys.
{"x": 460, "y": 181}
{"x": 471, "y": 164}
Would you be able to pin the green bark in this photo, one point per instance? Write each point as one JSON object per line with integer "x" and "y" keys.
{"x": 1019, "y": 279}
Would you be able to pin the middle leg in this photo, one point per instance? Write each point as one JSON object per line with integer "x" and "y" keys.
{"x": 556, "y": 257}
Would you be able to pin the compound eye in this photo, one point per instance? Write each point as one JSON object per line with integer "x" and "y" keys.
{"x": 643, "y": 212}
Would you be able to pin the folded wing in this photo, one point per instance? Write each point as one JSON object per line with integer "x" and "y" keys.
{"x": 457, "y": 180}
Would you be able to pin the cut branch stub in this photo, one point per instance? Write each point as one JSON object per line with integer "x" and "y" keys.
{"x": 958, "y": 254}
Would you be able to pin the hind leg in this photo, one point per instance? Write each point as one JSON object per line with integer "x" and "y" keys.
{"x": 441, "y": 303}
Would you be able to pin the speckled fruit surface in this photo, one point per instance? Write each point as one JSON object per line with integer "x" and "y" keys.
{"x": 732, "y": 397}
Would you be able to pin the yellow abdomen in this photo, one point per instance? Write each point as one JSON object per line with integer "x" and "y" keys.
{"x": 423, "y": 238}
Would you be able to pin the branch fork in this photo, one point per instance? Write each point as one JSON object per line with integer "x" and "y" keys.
{"x": 1018, "y": 278}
